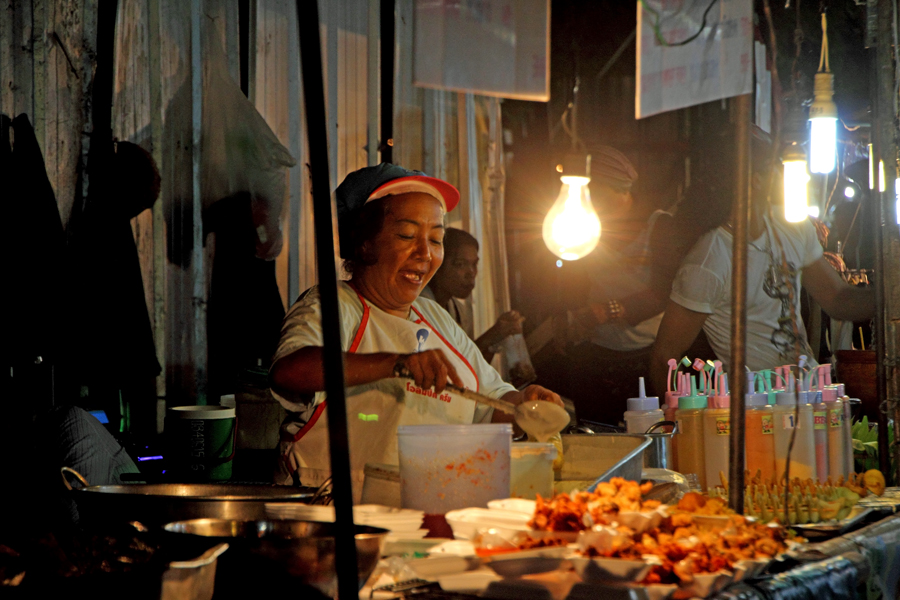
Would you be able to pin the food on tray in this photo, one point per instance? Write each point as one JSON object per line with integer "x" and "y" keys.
{"x": 491, "y": 542}
{"x": 578, "y": 511}
{"x": 873, "y": 480}
{"x": 699, "y": 504}
{"x": 682, "y": 550}
{"x": 807, "y": 501}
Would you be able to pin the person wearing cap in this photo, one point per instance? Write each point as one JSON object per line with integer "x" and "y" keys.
{"x": 454, "y": 282}
{"x": 401, "y": 350}
{"x": 629, "y": 279}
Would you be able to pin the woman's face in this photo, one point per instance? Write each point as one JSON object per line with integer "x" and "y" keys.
{"x": 406, "y": 252}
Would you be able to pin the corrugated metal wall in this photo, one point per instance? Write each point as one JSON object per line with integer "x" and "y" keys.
{"x": 46, "y": 50}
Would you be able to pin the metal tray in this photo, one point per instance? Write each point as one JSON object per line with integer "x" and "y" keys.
{"x": 857, "y": 516}
{"x": 609, "y": 454}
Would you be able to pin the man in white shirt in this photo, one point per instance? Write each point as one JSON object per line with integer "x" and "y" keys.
{"x": 780, "y": 256}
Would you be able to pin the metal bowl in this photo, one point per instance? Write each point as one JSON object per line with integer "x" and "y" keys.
{"x": 303, "y": 550}
{"x": 155, "y": 504}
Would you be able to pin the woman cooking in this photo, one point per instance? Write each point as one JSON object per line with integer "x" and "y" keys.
{"x": 391, "y": 223}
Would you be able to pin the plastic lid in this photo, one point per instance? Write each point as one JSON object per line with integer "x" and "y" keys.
{"x": 842, "y": 390}
{"x": 758, "y": 399}
{"x": 790, "y": 398}
{"x": 643, "y": 402}
{"x": 809, "y": 397}
{"x": 522, "y": 449}
{"x": 719, "y": 402}
{"x": 198, "y": 412}
{"x": 483, "y": 429}
{"x": 692, "y": 402}
{"x": 830, "y": 393}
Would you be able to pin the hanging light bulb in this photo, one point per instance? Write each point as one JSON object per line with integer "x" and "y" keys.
{"x": 823, "y": 115}
{"x": 572, "y": 227}
{"x": 796, "y": 179}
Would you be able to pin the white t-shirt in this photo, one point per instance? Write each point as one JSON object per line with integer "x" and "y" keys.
{"x": 703, "y": 284}
{"x": 302, "y": 327}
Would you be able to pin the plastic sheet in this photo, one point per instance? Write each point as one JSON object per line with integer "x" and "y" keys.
{"x": 835, "y": 578}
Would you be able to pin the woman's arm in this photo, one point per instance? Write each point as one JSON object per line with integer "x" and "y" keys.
{"x": 303, "y": 371}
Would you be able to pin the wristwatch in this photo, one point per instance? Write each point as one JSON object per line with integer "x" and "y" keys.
{"x": 614, "y": 310}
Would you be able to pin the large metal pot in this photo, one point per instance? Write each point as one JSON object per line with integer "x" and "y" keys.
{"x": 156, "y": 504}
{"x": 264, "y": 551}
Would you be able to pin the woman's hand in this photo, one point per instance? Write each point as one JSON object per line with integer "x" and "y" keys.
{"x": 534, "y": 392}
{"x": 429, "y": 368}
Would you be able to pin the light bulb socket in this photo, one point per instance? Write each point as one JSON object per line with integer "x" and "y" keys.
{"x": 793, "y": 152}
{"x": 576, "y": 165}
{"x": 823, "y": 106}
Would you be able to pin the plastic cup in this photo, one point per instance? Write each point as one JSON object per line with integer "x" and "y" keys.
{"x": 200, "y": 442}
{"x": 448, "y": 467}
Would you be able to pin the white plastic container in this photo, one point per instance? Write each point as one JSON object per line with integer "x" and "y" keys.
{"x": 448, "y": 467}
{"x": 643, "y": 412}
{"x": 531, "y": 470}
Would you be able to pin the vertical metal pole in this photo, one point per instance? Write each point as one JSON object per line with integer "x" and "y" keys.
{"x": 372, "y": 84}
{"x": 387, "y": 80}
{"x": 326, "y": 245}
{"x": 885, "y": 151}
{"x": 738, "y": 380}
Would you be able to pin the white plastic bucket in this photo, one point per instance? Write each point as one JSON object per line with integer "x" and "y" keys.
{"x": 448, "y": 467}
{"x": 531, "y": 470}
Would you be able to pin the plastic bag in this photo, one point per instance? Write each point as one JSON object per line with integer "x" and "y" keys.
{"x": 516, "y": 361}
{"x": 240, "y": 153}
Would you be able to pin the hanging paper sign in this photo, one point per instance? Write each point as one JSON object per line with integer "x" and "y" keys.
{"x": 489, "y": 47}
{"x": 717, "y": 64}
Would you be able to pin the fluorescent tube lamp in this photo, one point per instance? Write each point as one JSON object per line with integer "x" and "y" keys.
{"x": 881, "y": 186}
{"x": 796, "y": 178}
{"x": 823, "y": 126}
{"x": 572, "y": 228}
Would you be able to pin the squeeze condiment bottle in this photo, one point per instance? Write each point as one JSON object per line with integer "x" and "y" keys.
{"x": 847, "y": 429}
{"x": 835, "y": 423}
{"x": 820, "y": 434}
{"x": 716, "y": 434}
{"x": 672, "y": 395}
{"x": 759, "y": 433}
{"x": 803, "y": 456}
{"x": 643, "y": 411}
{"x": 689, "y": 450}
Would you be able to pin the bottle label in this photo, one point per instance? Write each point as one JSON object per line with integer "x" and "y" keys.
{"x": 835, "y": 417}
{"x": 787, "y": 421}
{"x": 723, "y": 426}
{"x": 819, "y": 419}
{"x": 768, "y": 425}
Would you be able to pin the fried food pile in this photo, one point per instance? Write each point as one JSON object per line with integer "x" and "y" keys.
{"x": 684, "y": 550}
{"x": 582, "y": 510}
{"x": 680, "y": 547}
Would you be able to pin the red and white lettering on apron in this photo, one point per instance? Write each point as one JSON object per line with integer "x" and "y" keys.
{"x": 375, "y": 410}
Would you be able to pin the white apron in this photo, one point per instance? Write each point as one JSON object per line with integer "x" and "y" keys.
{"x": 375, "y": 410}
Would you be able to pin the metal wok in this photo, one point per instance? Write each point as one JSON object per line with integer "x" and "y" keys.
{"x": 156, "y": 504}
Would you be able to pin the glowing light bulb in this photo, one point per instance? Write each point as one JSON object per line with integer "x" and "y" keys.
{"x": 796, "y": 206}
{"x": 813, "y": 212}
{"x": 572, "y": 227}
{"x": 849, "y": 192}
{"x": 822, "y": 144}
{"x": 897, "y": 193}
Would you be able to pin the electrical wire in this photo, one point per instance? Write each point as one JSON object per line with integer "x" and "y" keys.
{"x": 658, "y": 33}
{"x": 823, "y": 55}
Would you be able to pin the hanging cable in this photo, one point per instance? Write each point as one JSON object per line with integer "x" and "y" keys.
{"x": 658, "y": 33}
{"x": 823, "y": 55}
